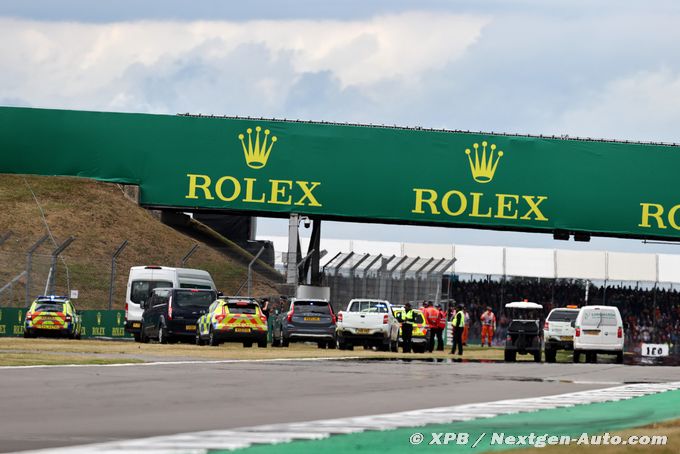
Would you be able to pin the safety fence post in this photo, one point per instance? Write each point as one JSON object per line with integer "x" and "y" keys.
{"x": 193, "y": 249}
{"x": 250, "y": 271}
{"x": 112, "y": 283}
{"x": 51, "y": 278}
{"x": 29, "y": 265}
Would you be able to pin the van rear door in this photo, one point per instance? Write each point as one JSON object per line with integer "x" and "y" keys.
{"x": 599, "y": 326}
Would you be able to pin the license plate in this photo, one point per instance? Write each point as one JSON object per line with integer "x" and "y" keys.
{"x": 567, "y": 338}
{"x": 312, "y": 319}
{"x": 242, "y": 330}
{"x": 191, "y": 327}
{"x": 591, "y": 332}
{"x": 49, "y": 327}
{"x": 363, "y": 331}
{"x": 136, "y": 325}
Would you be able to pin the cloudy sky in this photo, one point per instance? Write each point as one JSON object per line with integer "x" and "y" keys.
{"x": 606, "y": 69}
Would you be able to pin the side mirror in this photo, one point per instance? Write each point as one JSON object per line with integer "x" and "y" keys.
{"x": 220, "y": 294}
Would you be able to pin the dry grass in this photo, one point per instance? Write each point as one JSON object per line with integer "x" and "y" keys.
{"x": 33, "y": 359}
{"x": 670, "y": 429}
{"x": 152, "y": 351}
{"x": 100, "y": 217}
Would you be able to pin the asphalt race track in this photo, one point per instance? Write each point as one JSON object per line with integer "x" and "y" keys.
{"x": 46, "y": 407}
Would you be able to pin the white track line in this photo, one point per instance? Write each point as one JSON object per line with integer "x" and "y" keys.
{"x": 179, "y": 363}
{"x": 200, "y": 442}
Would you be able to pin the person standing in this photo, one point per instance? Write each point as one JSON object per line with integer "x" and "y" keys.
{"x": 431, "y": 318}
{"x": 466, "y": 329}
{"x": 265, "y": 307}
{"x": 441, "y": 326}
{"x": 407, "y": 328}
{"x": 458, "y": 327}
{"x": 488, "y": 320}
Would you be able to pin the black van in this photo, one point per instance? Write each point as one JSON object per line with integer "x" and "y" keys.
{"x": 171, "y": 313}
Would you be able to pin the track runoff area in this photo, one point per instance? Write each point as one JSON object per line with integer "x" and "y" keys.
{"x": 542, "y": 417}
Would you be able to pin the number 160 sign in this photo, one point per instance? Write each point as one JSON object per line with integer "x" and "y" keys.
{"x": 654, "y": 349}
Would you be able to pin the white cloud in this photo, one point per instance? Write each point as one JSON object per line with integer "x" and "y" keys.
{"x": 75, "y": 64}
{"x": 644, "y": 105}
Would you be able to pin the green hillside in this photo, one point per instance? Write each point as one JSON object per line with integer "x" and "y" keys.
{"x": 100, "y": 217}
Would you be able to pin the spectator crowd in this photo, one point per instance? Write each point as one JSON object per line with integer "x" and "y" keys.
{"x": 649, "y": 314}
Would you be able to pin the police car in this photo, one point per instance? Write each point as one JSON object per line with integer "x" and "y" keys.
{"x": 419, "y": 339}
{"x": 233, "y": 319}
{"x": 53, "y": 315}
{"x": 558, "y": 331}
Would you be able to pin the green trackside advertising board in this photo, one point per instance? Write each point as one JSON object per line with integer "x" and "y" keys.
{"x": 95, "y": 323}
{"x": 103, "y": 324}
{"x": 357, "y": 172}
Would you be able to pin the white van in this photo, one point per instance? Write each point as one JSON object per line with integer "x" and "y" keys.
{"x": 598, "y": 329}
{"x": 143, "y": 279}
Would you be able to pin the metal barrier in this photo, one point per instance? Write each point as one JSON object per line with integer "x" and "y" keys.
{"x": 397, "y": 279}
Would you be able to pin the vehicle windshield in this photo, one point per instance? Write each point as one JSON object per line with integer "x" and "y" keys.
{"x": 316, "y": 307}
{"x": 368, "y": 306}
{"x": 53, "y": 306}
{"x": 525, "y": 314}
{"x": 187, "y": 298}
{"x": 598, "y": 317}
{"x": 196, "y": 286}
{"x": 242, "y": 308}
{"x": 563, "y": 316}
{"x": 141, "y": 290}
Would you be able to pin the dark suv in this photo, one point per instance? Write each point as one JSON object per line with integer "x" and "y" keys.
{"x": 307, "y": 320}
{"x": 171, "y": 313}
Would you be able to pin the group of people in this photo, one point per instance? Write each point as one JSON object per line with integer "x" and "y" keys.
{"x": 436, "y": 320}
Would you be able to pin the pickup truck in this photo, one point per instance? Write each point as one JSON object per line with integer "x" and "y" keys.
{"x": 368, "y": 322}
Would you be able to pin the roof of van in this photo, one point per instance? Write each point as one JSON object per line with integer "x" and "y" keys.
{"x": 598, "y": 306}
{"x": 165, "y": 268}
{"x": 523, "y": 305}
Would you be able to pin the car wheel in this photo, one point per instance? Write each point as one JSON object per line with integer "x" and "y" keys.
{"x": 138, "y": 336}
{"x": 262, "y": 343}
{"x": 27, "y": 334}
{"x": 577, "y": 356}
{"x": 619, "y": 357}
{"x": 247, "y": 344}
{"x": 510, "y": 356}
{"x": 212, "y": 339}
{"x": 321, "y": 344}
{"x": 331, "y": 345}
{"x": 550, "y": 355}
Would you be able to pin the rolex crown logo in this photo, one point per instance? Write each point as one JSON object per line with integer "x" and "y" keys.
{"x": 257, "y": 154}
{"x": 483, "y": 167}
